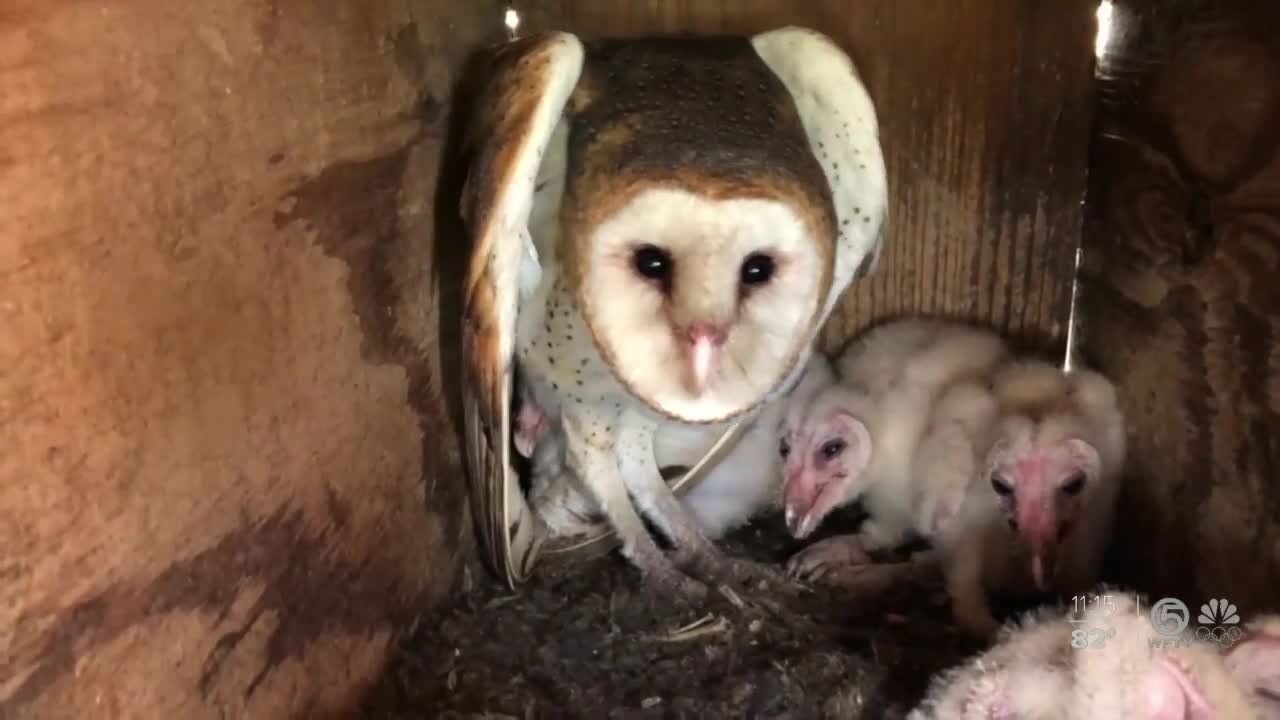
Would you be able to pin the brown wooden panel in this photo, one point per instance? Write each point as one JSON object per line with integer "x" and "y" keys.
{"x": 227, "y": 476}
{"x": 984, "y": 117}
{"x": 1180, "y": 289}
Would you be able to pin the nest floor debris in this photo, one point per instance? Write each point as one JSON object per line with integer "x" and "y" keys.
{"x": 587, "y": 641}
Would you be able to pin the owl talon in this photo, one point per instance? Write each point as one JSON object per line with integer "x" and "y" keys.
{"x": 661, "y": 578}
{"x": 713, "y": 566}
{"x": 705, "y": 562}
{"x": 866, "y": 580}
{"x": 672, "y": 587}
{"x": 759, "y": 575}
{"x": 844, "y": 563}
{"x": 820, "y": 558}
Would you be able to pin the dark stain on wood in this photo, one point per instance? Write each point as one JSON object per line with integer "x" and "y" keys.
{"x": 449, "y": 258}
{"x": 408, "y": 52}
{"x": 363, "y": 235}
{"x": 192, "y": 351}
{"x": 411, "y": 53}
{"x": 367, "y": 236}
{"x": 283, "y": 552}
{"x": 1179, "y": 301}
{"x": 360, "y": 234}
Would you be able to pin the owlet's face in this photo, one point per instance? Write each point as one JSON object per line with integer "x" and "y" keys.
{"x": 824, "y": 459}
{"x": 703, "y": 305}
{"x": 1041, "y": 477}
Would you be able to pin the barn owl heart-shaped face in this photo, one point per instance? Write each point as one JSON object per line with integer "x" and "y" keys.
{"x": 703, "y": 305}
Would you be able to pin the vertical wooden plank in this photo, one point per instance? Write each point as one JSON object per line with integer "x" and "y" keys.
{"x": 227, "y": 476}
{"x": 1179, "y": 293}
{"x": 984, "y": 116}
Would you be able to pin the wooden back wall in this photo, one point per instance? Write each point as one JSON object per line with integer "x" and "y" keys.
{"x": 228, "y": 475}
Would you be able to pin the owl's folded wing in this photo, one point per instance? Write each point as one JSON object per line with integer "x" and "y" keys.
{"x": 840, "y": 121}
{"x": 516, "y": 116}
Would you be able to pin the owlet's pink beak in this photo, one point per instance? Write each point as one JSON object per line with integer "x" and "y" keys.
{"x": 806, "y": 501}
{"x": 1037, "y": 524}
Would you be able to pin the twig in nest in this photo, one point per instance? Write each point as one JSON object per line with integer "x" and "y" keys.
{"x": 613, "y": 612}
{"x": 732, "y": 596}
{"x": 500, "y": 601}
{"x": 784, "y": 676}
{"x": 790, "y": 618}
{"x": 709, "y": 625}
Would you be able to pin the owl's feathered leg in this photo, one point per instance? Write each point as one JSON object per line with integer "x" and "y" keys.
{"x": 694, "y": 551}
{"x": 590, "y": 454}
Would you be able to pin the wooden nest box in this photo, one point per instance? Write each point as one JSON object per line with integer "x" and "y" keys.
{"x": 230, "y": 266}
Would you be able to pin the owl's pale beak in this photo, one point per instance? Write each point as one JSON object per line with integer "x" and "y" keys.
{"x": 703, "y": 356}
{"x": 705, "y": 342}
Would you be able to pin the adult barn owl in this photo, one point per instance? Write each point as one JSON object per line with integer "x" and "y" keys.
{"x": 660, "y": 227}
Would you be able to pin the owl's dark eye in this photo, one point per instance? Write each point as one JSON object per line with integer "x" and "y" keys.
{"x": 1074, "y": 484}
{"x": 652, "y": 263}
{"x": 784, "y": 448}
{"x": 757, "y": 269}
{"x": 1002, "y": 487}
{"x": 832, "y": 448}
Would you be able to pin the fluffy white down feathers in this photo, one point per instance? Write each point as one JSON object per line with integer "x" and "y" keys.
{"x": 1010, "y": 466}
{"x": 1048, "y": 667}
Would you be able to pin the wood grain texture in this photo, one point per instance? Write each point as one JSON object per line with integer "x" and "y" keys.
{"x": 1180, "y": 297}
{"x": 984, "y": 117}
{"x": 227, "y": 474}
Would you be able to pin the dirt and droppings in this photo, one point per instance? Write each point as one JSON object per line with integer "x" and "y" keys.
{"x": 586, "y": 641}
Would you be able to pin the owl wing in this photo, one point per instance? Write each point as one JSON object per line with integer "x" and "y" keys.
{"x": 840, "y": 121}
{"x": 515, "y": 118}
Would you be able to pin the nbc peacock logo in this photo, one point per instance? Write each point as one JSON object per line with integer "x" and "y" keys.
{"x": 1218, "y": 620}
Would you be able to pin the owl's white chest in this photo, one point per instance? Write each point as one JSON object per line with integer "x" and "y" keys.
{"x": 557, "y": 353}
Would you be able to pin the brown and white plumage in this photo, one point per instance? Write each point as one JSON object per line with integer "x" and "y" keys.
{"x": 660, "y": 227}
{"x": 1124, "y": 670}
{"x": 496, "y": 203}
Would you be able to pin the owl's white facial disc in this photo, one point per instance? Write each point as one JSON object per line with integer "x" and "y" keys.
{"x": 702, "y": 305}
